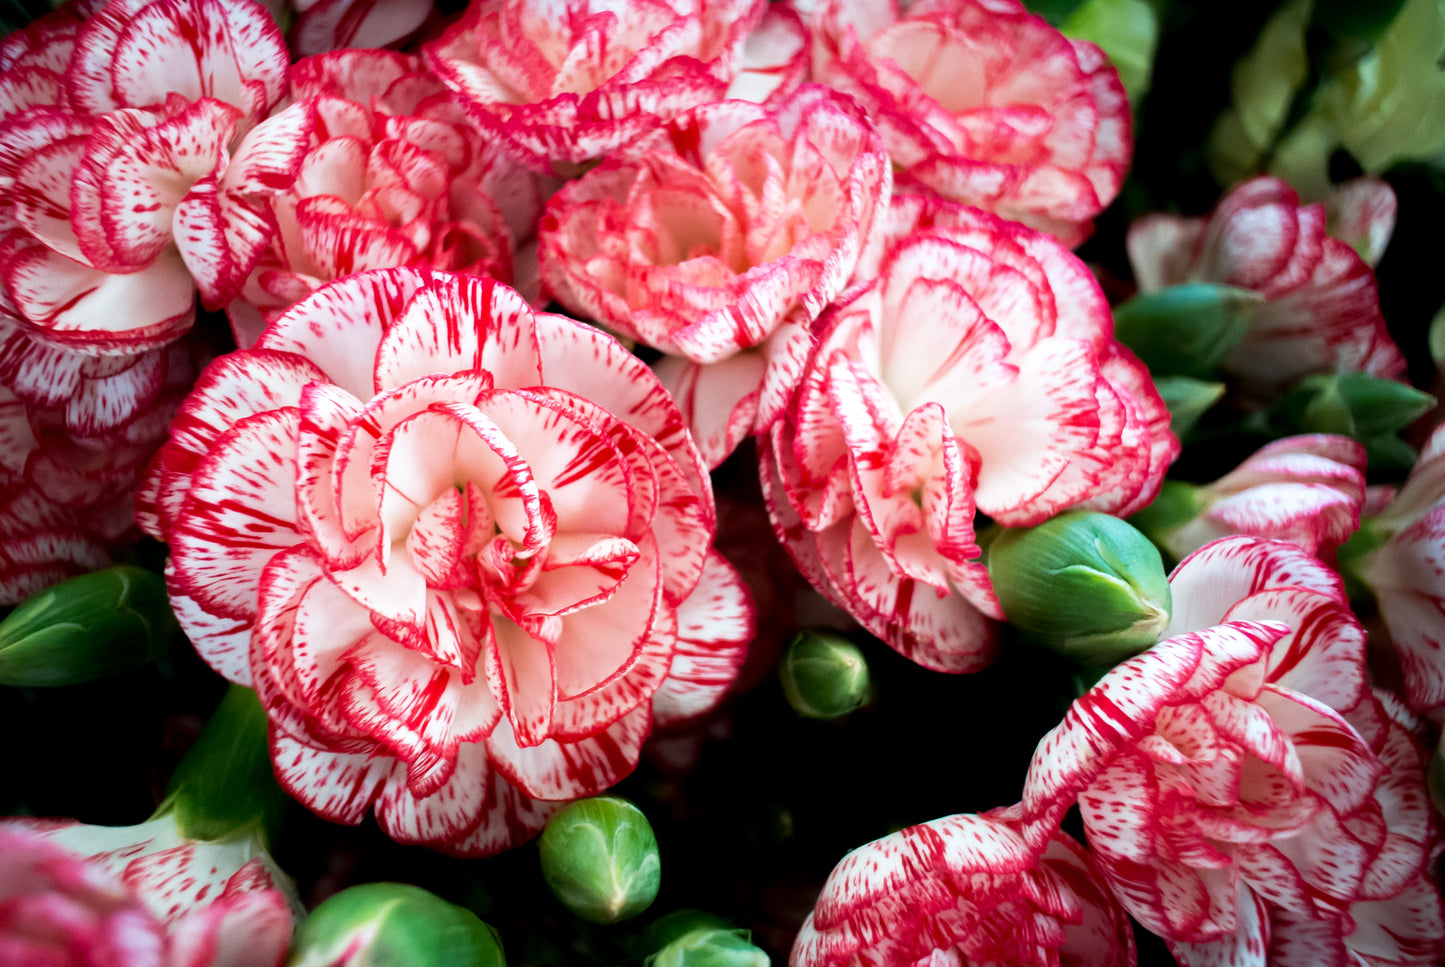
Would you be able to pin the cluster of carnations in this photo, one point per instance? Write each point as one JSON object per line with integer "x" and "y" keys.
{"x": 462, "y": 547}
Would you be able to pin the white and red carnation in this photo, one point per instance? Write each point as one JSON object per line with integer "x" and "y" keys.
{"x": 965, "y": 890}
{"x": 1402, "y": 561}
{"x": 774, "y": 59}
{"x": 1307, "y": 490}
{"x": 141, "y": 896}
{"x": 128, "y": 169}
{"x": 977, "y": 371}
{"x": 1361, "y": 213}
{"x": 566, "y": 85}
{"x": 1399, "y": 919}
{"x": 1220, "y": 781}
{"x": 718, "y": 240}
{"x": 984, "y": 103}
{"x": 1321, "y": 309}
{"x": 462, "y": 551}
{"x": 392, "y": 174}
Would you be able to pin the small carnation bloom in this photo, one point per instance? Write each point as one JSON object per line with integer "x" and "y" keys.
{"x": 392, "y": 174}
{"x": 565, "y": 86}
{"x": 128, "y": 163}
{"x": 977, "y": 371}
{"x": 718, "y": 240}
{"x": 965, "y": 890}
{"x": 984, "y": 103}
{"x": 1400, "y": 557}
{"x": 1219, "y": 779}
{"x": 1321, "y": 309}
{"x": 461, "y": 550}
{"x": 1307, "y": 490}
{"x": 142, "y": 896}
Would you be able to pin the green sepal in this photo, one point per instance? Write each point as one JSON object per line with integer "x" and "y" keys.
{"x": 386, "y": 924}
{"x": 1389, "y": 456}
{"x": 1355, "y": 552}
{"x": 1185, "y": 330}
{"x": 1054, "y": 11}
{"x": 824, "y": 675}
{"x": 710, "y": 947}
{"x": 225, "y": 782}
{"x": 89, "y": 627}
{"x": 1178, "y": 503}
{"x": 1187, "y": 399}
{"x": 1085, "y": 585}
{"x": 599, "y": 857}
{"x": 1356, "y": 405}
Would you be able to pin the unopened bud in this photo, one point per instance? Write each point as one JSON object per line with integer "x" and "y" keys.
{"x": 824, "y": 674}
{"x": 600, "y": 858}
{"x": 379, "y": 924}
{"x": 710, "y": 947}
{"x": 1084, "y": 584}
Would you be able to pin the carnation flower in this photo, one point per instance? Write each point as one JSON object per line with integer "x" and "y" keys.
{"x": 774, "y": 59}
{"x": 1307, "y": 490}
{"x": 320, "y": 26}
{"x": 392, "y": 175}
{"x": 1399, "y": 919}
{"x": 141, "y": 896}
{"x": 1321, "y": 310}
{"x": 718, "y": 240}
{"x": 127, "y": 180}
{"x": 1398, "y": 556}
{"x": 977, "y": 371}
{"x": 1219, "y": 779}
{"x": 965, "y": 890}
{"x": 984, "y": 103}
{"x": 462, "y": 551}
{"x": 566, "y": 86}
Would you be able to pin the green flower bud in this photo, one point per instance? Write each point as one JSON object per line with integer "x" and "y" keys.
{"x": 384, "y": 924}
{"x": 600, "y": 859}
{"x": 710, "y": 947}
{"x": 88, "y": 627}
{"x": 1086, "y": 585}
{"x": 665, "y": 929}
{"x": 1185, "y": 330}
{"x": 824, "y": 674}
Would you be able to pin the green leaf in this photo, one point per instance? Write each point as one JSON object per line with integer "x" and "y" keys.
{"x": 226, "y": 783}
{"x": 93, "y": 626}
{"x": 1185, "y": 330}
{"x": 1187, "y": 399}
{"x": 1127, "y": 31}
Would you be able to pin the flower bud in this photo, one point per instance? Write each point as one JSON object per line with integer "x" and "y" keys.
{"x": 824, "y": 674}
{"x": 88, "y": 627}
{"x": 394, "y": 923}
{"x": 1086, "y": 585}
{"x": 669, "y": 927}
{"x": 710, "y": 947}
{"x": 600, "y": 859}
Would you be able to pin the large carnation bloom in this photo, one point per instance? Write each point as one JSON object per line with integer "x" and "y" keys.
{"x": 1220, "y": 782}
{"x": 461, "y": 551}
{"x": 139, "y": 896}
{"x": 392, "y": 175}
{"x": 566, "y": 85}
{"x": 983, "y": 102}
{"x": 977, "y": 371}
{"x": 1321, "y": 309}
{"x": 718, "y": 241}
{"x": 965, "y": 890}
